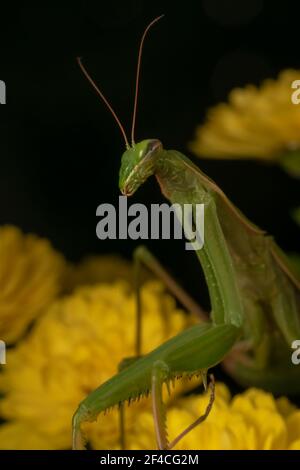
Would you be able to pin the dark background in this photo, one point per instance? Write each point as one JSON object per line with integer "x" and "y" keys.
{"x": 59, "y": 147}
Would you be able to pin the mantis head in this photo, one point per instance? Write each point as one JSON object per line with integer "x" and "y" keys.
{"x": 138, "y": 161}
{"x": 137, "y": 164}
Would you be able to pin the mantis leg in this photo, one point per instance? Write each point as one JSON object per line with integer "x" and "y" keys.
{"x": 143, "y": 257}
{"x": 159, "y": 374}
{"x": 201, "y": 418}
{"x": 122, "y": 427}
{"x": 123, "y": 365}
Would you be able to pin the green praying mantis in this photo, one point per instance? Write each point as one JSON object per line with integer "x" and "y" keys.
{"x": 254, "y": 295}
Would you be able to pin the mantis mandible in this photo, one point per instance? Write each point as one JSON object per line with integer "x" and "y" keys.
{"x": 254, "y": 294}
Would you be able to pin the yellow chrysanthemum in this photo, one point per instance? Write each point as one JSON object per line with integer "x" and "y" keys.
{"x": 256, "y": 123}
{"x": 102, "y": 268}
{"x": 75, "y": 346}
{"x": 250, "y": 421}
{"x": 31, "y": 274}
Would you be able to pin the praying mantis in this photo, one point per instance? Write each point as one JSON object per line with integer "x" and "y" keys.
{"x": 254, "y": 295}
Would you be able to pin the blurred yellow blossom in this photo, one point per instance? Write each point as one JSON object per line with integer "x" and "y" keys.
{"x": 78, "y": 343}
{"x": 75, "y": 346}
{"x": 31, "y": 275}
{"x": 258, "y": 122}
{"x": 252, "y": 420}
{"x": 100, "y": 268}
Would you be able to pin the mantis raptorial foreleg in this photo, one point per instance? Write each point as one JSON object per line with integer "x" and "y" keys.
{"x": 144, "y": 258}
{"x": 160, "y": 373}
{"x": 201, "y": 418}
{"x": 191, "y": 352}
{"x": 122, "y": 427}
{"x": 123, "y": 364}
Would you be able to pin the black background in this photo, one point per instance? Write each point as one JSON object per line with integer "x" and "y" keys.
{"x": 59, "y": 147}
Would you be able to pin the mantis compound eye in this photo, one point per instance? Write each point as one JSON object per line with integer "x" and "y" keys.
{"x": 153, "y": 145}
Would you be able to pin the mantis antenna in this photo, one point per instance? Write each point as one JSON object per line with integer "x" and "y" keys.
{"x": 138, "y": 75}
{"x": 105, "y": 101}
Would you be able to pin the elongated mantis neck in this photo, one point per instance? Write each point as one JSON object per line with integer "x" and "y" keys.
{"x": 180, "y": 184}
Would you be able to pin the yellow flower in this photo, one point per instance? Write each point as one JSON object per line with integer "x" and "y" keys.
{"x": 252, "y": 420}
{"x": 256, "y": 123}
{"x": 75, "y": 346}
{"x": 78, "y": 343}
{"x": 101, "y": 268}
{"x": 31, "y": 274}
